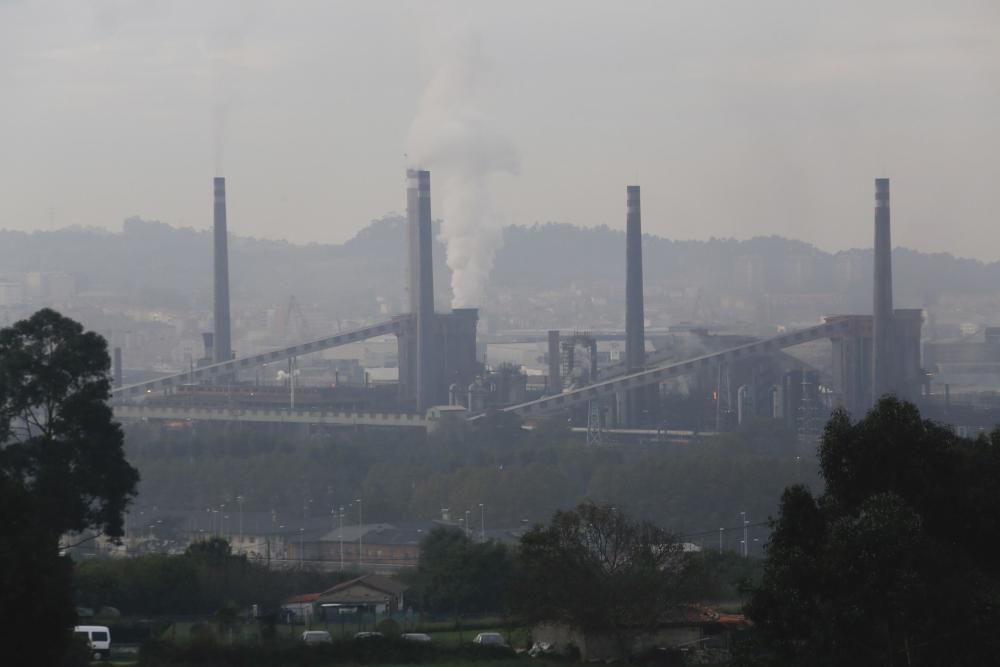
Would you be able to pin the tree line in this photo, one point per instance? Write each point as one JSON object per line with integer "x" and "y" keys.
{"x": 520, "y": 477}
{"x": 206, "y": 578}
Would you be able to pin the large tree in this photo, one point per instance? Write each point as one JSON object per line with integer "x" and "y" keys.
{"x": 62, "y": 472}
{"x": 458, "y": 575}
{"x": 894, "y": 563}
{"x": 598, "y": 571}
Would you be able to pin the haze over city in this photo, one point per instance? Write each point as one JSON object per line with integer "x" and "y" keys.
{"x": 471, "y": 334}
{"x": 741, "y": 119}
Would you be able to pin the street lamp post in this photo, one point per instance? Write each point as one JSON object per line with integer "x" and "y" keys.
{"x": 482, "y": 522}
{"x": 468, "y": 514}
{"x": 721, "y": 530}
{"x": 361, "y": 535}
{"x": 239, "y": 501}
{"x": 743, "y": 519}
{"x": 341, "y": 535}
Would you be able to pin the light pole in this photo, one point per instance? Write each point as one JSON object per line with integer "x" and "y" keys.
{"x": 468, "y": 514}
{"x": 743, "y": 519}
{"x": 341, "y": 535}
{"x": 239, "y": 501}
{"x": 746, "y": 538}
{"x": 361, "y": 534}
{"x": 482, "y": 522}
{"x": 721, "y": 530}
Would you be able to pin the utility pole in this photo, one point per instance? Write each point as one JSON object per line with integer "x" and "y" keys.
{"x": 361, "y": 534}
{"x": 341, "y": 535}
{"x": 239, "y": 501}
{"x": 718, "y": 399}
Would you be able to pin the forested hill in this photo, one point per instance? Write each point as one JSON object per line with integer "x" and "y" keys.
{"x": 154, "y": 263}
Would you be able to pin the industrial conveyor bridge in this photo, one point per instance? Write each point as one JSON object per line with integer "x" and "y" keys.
{"x": 531, "y": 409}
{"x": 224, "y": 368}
{"x": 552, "y": 404}
{"x": 269, "y": 416}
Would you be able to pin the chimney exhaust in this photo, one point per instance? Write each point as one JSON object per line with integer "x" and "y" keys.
{"x": 118, "y": 373}
{"x": 635, "y": 333}
{"x": 222, "y": 349}
{"x": 418, "y": 211}
{"x": 555, "y": 381}
{"x": 883, "y": 380}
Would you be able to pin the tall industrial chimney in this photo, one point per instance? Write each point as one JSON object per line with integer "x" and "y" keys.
{"x": 222, "y": 348}
{"x": 118, "y": 373}
{"x": 635, "y": 334}
{"x": 418, "y": 212}
{"x": 555, "y": 381}
{"x": 883, "y": 369}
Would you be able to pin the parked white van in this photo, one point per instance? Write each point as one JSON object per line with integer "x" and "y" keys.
{"x": 99, "y": 638}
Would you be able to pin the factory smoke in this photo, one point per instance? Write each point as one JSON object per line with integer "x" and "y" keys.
{"x": 455, "y": 137}
{"x": 226, "y": 58}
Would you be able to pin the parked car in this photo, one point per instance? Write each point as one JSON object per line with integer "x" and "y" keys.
{"x": 415, "y": 637}
{"x": 490, "y": 639}
{"x": 98, "y": 637}
{"x": 317, "y": 637}
{"x": 369, "y": 635}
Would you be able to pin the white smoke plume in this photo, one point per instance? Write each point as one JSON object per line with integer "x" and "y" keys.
{"x": 453, "y": 135}
{"x": 225, "y": 46}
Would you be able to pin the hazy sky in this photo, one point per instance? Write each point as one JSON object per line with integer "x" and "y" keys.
{"x": 737, "y": 118}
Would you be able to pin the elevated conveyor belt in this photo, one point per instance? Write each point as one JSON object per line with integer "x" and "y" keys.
{"x": 553, "y": 404}
{"x": 226, "y": 367}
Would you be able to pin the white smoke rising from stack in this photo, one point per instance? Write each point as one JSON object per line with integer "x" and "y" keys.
{"x": 454, "y": 137}
{"x": 225, "y": 50}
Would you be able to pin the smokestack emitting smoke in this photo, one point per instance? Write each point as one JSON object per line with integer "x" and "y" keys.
{"x": 454, "y": 136}
{"x": 222, "y": 345}
{"x": 882, "y": 316}
{"x": 635, "y": 334}
{"x": 420, "y": 226}
{"x": 227, "y": 62}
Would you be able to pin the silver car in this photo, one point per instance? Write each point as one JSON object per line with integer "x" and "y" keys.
{"x": 317, "y": 637}
{"x": 489, "y": 639}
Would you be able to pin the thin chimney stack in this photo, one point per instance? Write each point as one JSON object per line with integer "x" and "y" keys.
{"x": 635, "y": 333}
{"x": 418, "y": 210}
{"x": 883, "y": 379}
{"x": 222, "y": 340}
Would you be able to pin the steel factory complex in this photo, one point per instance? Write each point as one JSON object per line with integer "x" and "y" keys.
{"x": 443, "y": 378}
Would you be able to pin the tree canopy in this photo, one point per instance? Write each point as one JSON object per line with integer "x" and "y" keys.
{"x": 458, "y": 575}
{"x": 892, "y": 564}
{"x": 596, "y": 570}
{"x": 62, "y": 471}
